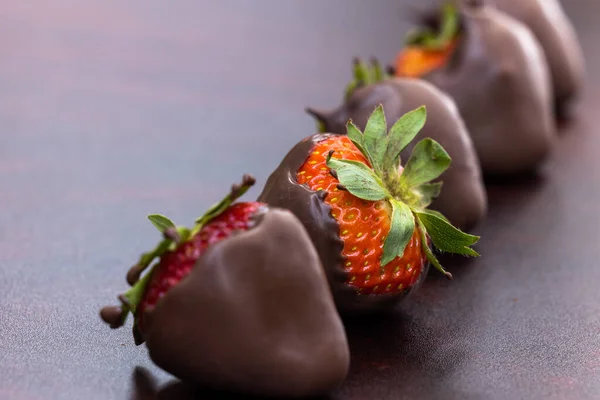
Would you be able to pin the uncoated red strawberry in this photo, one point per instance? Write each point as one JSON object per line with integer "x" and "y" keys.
{"x": 177, "y": 255}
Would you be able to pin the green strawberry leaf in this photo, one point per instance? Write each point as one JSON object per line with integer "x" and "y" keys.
{"x": 438, "y": 214}
{"x": 173, "y": 237}
{"x": 218, "y": 208}
{"x": 408, "y": 193}
{"x": 446, "y": 237}
{"x": 428, "y": 192}
{"x": 184, "y": 233}
{"x": 132, "y": 298}
{"x": 321, "y": 128}
{"x": 426, "y": 38}
{"x": 401, "y": 230}
{"x": 356, "y": 137}
{"x": 350, "y": 88}
{"x": 361, "y": 72}
{"x": 161, "y": 222}
{"x": 416, "y": 36}
{"x": 427, "y": 162}
{"x": 358, "y": 179}
{"x": 364, "y": 75}
{"x": 375, "y": 138}
{"x": 428, "y": 253}
{"x": 450, "y": 24}
{"x": 134, "y": 295}
{"x": 147, "y": 258}
{"x": 377, "y": 73}
{"x": 401, "y": 134}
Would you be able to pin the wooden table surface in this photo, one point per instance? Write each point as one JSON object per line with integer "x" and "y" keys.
{"x": 113, "y": 109}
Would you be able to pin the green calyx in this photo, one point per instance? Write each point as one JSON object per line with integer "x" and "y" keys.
{"x": 173, "y": 237}
{"x": 409, "y": 191}
{"x": 428, "y": 39}
{"x": 364, "y": 75}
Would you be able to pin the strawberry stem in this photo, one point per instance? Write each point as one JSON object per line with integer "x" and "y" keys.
{"x": 364, "y": 75}
{"x": 133, "y": 296}
{"x": 237, "y": 190}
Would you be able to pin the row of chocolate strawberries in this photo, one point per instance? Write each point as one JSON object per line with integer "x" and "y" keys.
{"x": 492, "y": 76}
{"x": 249, "y": 299}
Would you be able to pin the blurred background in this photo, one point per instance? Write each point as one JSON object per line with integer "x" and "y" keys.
{"x": 110, "y": 110}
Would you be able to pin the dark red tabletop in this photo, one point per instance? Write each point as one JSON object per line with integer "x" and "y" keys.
{"x": 111, "y": 110}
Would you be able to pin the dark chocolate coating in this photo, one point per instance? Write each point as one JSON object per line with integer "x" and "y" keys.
{"x": 500, "y": 82}
{"x": 255, "y": 316}
{"x": 283, "y": 191}
{"x": 463, "y": 199}
{"x": 549, "y": 23}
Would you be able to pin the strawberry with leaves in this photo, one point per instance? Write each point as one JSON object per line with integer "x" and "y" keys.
{"x": 177, "y": 254}
{"x": 429, "y": 49}
{"x": 243, "y": 273}
{"x": 366, "y": 214}
{"x": 464, "y": 200}
{"x": 494, "y": 69}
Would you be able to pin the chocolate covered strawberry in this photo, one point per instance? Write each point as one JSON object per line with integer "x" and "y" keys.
{"x": 495, "y": 70}
{"x": 367, "y": 216}
{"x": 430, "y": 47}
{"x": 464, "y": 200}
{"x": 239, "y": 303}
{"x": 177, "y": 254}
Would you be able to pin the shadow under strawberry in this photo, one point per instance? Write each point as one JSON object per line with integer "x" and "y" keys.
{"x": 509, "y": 192}
{"x": 145, "y": 387}
{"x": 402, "y": 350}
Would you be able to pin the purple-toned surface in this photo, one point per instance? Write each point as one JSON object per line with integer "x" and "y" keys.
{"x": 114, "y": 109}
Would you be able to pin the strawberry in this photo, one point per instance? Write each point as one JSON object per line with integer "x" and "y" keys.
{"x": 177, "y": 254}
{"x": 367, "y": 216}
{"x": 363, "y": 224}
{"x": 427, "y": 50}
{"x": 464, "y": 200}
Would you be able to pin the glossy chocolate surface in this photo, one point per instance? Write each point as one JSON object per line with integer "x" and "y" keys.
{"x": 114, "y": 109}
{"x": 556, "y": 34}
{"x": 463, "y": 199}
{"x": 500, "y": 82}
{"x": 254, "y": 316}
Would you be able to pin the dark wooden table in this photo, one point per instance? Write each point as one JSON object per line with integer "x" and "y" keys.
{"x": 113, "y": 109}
